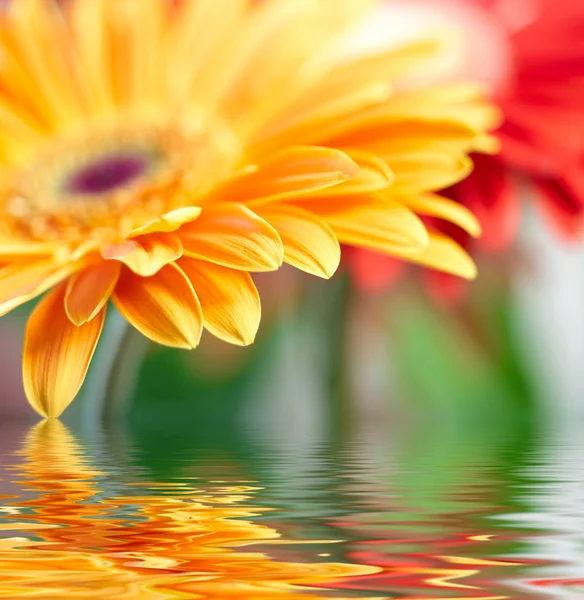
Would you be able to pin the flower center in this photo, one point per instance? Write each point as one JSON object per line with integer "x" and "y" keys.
{"x": 115, "y": 177}
{"x": 107, "y": 173}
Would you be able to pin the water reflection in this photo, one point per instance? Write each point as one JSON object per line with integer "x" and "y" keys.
{"x": 492, "y": 512}
{"x": 159, "y": 540}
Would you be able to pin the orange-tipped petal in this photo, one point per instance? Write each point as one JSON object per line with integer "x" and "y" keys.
{"x": 169, "y": 222}
{"x": 89, "y": 290}
{"x": 229, "y": 299}
{"x": 290, "y": 172}
{"x": 146, "y": 255}
{"x": 232, "y": 235}
{"x": 309, "y": 243}
{"x": 56, "y": 354}
{"x": 164, "y": 307}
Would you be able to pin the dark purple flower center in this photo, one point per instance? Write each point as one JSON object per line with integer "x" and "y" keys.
{"x": 107, "y": 174}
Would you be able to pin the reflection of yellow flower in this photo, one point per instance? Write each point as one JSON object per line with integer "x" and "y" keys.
{"x": 155, "y": 152}
{"x": 176, "y": 543}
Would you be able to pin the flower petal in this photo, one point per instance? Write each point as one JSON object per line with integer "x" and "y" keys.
{"x": 21, "y": 282}
{"x": 10, "y": 249}
{"x": 385, "y": 65}
{"x": 89, "y": 290}
{"x": 309, "y": 243}
{"x": 145, "y": 255}
{"x": 443, "y": 254}
{"x": 424, "y": 172}
{"x": 393, "y": 134}
{"x": 233, "y": 236}
{"x": 371, "y": 221}
{"x": 291, "y": 172}
{"x": 56, "y": 354}
{"x": 463, "y": 103}
{"x": 163, "y": 307}
{"x": 169, "y": 222}
{"x": 41, "y": 40}
{"x": 433, "y": 205}
{"x": 316, "y": 123}
{"x": 229, "y": 299}
{"x": 374, "y": 175}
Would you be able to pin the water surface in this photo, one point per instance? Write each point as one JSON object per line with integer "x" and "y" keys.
{"x": 200, "y": 512}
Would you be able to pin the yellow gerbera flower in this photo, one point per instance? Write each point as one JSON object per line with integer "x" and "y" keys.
{"x": 157, "y": 151}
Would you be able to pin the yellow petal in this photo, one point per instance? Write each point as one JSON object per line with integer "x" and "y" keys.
{"x": 89, "y": 29}
{"x": 374, "y": 175}
{"x": 19, "y": 132}
{"x": 139, "y": 31}
{"x": 443, "y": 254}
{"x": 229, "y": 299}
{"x": 169, "y": 222}
{"x": 437, "y": 96}
{"x": 371, "y": 221}
{"x": 443, "y": 208}
{"x": 42, "y": 41}
{"x": 309, "y": 243}
{"x": 290, "y": 45}
{"x": 89, "y": 290}
{"x": 203, "y": 34}
{"x": 387, "y": 65}
{"x": 291, "y": 172}
{"x": 21, "y": 282}
{"x": 388, "y": 135}
{"x": 319, "y": 122}
{"x": 459, "y": 102}
{"x": 424, "y": 172}
{"x": 56, "y": 354}
{"x": 265, "y": 65}
{"x": 164, "y": 307}
{"x": 233, "y": 236}
{"x": 14, "y": 250}
{"x": 486, "y": 144}
{"x": 145, "y": 255}
{"x": 351, "y": 86}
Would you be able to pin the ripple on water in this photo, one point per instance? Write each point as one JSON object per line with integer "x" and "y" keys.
{"x": 458, "y": 519}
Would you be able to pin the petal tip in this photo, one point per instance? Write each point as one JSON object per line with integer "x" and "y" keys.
{"x": 476, "y": 231}
{"x": 472, "y": 272}
{"x": 349, "y": 168}
{"x": 327, "y": 270}
{"x": 246, "y": 340}
{"x": 191, "y": 336}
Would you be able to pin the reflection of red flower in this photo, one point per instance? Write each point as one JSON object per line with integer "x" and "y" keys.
{"x": 443, "y": 562}
{"x": 542, "y": 136}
